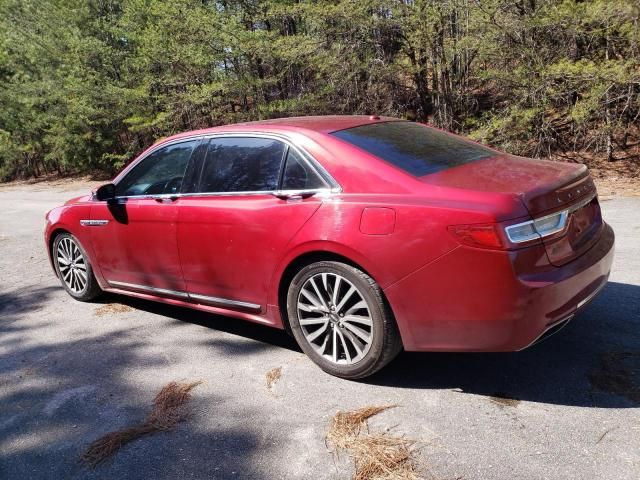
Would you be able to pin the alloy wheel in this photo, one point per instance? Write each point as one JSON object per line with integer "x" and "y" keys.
{"x": 72, "y": 265}
{"x": 335, "y": 318}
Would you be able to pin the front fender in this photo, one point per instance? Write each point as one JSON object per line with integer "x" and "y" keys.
{"x": 67, "y": 219}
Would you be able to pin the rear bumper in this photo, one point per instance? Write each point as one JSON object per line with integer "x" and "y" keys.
{"x": 483, "y": 300}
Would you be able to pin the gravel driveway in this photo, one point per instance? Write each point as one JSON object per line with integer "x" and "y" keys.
{"x": 70, "y": 372}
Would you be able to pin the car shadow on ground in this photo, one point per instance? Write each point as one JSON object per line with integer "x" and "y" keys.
{"x": 593, "y": 362}
{"x": 60, "y": 392}
{"x": 265, "y": 335}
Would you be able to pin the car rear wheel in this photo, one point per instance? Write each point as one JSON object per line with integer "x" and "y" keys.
{"x": 341, "y": 321}
{"x": 73, "y": 268}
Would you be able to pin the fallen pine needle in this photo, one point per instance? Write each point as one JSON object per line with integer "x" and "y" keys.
{"x": 273, "y": 376}
{"x": 375, "y": 455}
{"x": 112, "y": 308}
{"x": 169, "y": 408}
{"x": 346, "y": 426}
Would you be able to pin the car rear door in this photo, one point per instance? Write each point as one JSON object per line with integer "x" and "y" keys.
{"x": 135, "y": 235}
{"x": 236, "y": 224}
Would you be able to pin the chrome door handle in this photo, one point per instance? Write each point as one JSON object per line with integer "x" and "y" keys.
{"x": 167, "y": 199}
{"x": 292, "y": 195}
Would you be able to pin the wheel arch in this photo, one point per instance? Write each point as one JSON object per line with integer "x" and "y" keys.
{"x": 55, "y": 232}
{"x": 85, "y": 243}
{"x": 307, "y": 258}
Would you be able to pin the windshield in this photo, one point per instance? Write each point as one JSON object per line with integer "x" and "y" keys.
{"x": 415, "y": 148}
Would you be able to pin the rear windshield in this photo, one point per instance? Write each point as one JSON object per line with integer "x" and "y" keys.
{"x": 415, "y": 148}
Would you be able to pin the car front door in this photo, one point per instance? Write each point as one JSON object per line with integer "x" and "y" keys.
{"x": 134, "y": 235}
{"x": 235, "y": 226}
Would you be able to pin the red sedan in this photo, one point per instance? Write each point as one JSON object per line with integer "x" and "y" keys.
{"x": 360, "y": 235}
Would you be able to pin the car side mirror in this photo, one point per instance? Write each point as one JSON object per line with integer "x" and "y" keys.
{"x": 106, "y": 192}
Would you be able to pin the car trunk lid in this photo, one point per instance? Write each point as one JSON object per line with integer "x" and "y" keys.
{"x": 544, "y": 187}
{"x": 584, "y": 223}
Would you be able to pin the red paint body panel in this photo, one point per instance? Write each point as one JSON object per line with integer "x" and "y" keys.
{"x": 489, "y": 304}
{"x": 139, "y": 244}
{"x": 445, "y": 295}
{"x": 229, "y": 245}
{"x": 534, "y": 181}
{"x": 377, "y": 221}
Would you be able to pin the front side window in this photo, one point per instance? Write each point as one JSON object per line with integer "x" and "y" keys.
{"x": 242, "y": 164}
{"x": 298, "y": 175}
{"x": 159, "y": 173}
{"x": 414, "y": 148}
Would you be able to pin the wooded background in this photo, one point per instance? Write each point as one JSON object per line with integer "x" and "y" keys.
{"x": 87, "y": 84}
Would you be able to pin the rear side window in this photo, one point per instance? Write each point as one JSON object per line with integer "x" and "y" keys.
{"x": 298, "y": 175}
{"x": 242, "y": 164}
{"x": 161, "y": 172}
{"x": 415, "y": 148}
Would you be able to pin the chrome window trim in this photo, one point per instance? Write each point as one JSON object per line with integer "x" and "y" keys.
{"x": 316, "y": 167}
{"x": 192, "y": 296}
{"x": 172, "y": 196}
{"x": 260, "y": 192}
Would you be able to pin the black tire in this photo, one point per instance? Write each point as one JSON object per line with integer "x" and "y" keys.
{"x": 91, "y": 289}
{"x": 385, "y": 342}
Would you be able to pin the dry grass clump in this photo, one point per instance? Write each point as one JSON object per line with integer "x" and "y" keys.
{"x": 346, "y": 426}
{"x": 273, "y": 376}
{"x": 383, "y": 456}
{"x": 112, "y": 308}
{"x": 169, "y": 408}
{"x": 376, "y": 456}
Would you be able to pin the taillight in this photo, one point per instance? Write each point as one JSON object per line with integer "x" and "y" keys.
{"x": 478, "y": 235}
{"x": 537, "y": 228}
{"x": 505, "y": 236}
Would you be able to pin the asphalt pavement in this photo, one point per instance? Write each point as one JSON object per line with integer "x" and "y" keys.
{"x": 568, "y": 408}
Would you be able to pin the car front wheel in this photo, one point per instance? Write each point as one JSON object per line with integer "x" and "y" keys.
{"x": 340, "y": 320}
{"x": 73, "y": 268}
